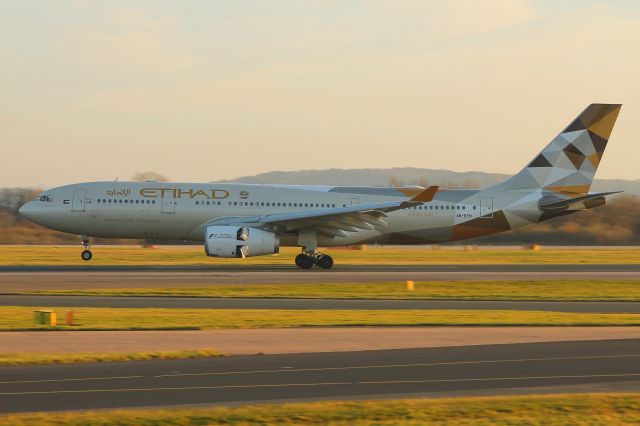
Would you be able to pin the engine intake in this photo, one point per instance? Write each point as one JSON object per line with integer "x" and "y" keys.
{"x": 239, "y": 241}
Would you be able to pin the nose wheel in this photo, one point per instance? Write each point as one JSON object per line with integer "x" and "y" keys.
{"x": 306, "y": 260}
{"x": 86, "y": 254}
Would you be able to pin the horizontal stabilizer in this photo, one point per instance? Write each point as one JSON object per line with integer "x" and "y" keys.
{"x": 578, "y": 203}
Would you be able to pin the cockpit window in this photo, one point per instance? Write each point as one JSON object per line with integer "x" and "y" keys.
{"x": 46, "y": 198}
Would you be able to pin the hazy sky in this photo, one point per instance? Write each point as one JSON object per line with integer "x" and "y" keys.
{"x": 206, "y": 90}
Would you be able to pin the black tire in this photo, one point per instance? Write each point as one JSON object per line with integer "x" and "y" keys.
{"x": 303, "y": 261}
{"x": 86, "y": 255}
{"x": 325, "y": 262}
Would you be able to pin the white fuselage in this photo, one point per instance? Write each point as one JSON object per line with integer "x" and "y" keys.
{"x": 180, "y": 211}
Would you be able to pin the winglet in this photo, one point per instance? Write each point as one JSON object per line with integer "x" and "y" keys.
{"x": 426, "y": 195}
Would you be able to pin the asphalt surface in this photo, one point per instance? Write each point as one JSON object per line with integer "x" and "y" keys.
{"x": 27, "y": 278}
{"x": 354, "y": 304}
{"x": 593, "y": 366}
{"x": 564, "y": 267}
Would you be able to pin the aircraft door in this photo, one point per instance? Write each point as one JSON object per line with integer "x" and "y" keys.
{"x": 168, "y": 204}
{"x": 355, "y": 201}
{"x": 486, "y": 207}
{"x": 77, "y": 204}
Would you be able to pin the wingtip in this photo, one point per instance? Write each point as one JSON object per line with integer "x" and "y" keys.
{"x": 426, "y": 195}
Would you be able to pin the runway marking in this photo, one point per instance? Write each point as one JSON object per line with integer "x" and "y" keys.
{"x": 288, "y": 369}
{"x": 360, "y": 367}
{"x": 269, "y": 385}
{"x": 79, "y": 379}
{"x": 495, "y": 379}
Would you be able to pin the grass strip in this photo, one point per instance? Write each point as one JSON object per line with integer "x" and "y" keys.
{"x": 31, "y": 358}
{"x": 550, "y": 410}
{"x": 194, "y": 255}
{"x": 565, "y": 290}
{"x": 21, "y": 318}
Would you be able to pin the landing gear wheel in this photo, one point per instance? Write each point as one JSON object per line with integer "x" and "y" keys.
{"x": 303, "y": 261}
{"x": 325, "y": 261}
{"x": 86, "y": 255}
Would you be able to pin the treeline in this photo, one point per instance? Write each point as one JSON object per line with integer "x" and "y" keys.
{"x": 14, "y": 229}
{"x": 618, "y": 223}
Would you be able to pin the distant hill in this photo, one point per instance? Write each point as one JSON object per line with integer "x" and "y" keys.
{"x": 410, "y": 176}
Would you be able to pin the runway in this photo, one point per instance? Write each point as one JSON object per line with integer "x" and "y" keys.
{"x": 305, "y": 304}
{"x": 30, "y": 278}
{"x": 562, "y": 367}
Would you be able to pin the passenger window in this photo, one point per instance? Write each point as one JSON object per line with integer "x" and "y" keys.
{"x": 474, "y": 207}
{"x": 251, "y": 203}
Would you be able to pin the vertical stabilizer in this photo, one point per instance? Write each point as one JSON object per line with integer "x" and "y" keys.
{"x": 569, "y": 163}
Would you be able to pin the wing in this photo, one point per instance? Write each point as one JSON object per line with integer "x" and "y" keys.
{"x": 334, "y": 222}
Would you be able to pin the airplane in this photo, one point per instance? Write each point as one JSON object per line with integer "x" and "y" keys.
{"x": 241, "y": 220}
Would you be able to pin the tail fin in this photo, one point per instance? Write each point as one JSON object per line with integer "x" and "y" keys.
{"x": 569, "y": 163}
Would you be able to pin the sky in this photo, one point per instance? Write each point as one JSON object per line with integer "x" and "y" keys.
{"x": 207, "y": 90}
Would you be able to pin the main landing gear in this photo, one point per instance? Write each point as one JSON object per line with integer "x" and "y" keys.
{"x": 306, "y": 260}
{"x": 86, "y": 254}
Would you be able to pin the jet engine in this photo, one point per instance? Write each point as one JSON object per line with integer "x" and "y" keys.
{"x": 239, "y": 241}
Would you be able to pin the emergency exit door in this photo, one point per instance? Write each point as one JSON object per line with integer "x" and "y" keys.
{"x": 168, "y": 204}
{"x": 77, "y": 204}
{"x": 486, "y": 207}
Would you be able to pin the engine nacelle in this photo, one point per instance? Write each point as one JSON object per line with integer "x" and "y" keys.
{"x": 239, "y": 241}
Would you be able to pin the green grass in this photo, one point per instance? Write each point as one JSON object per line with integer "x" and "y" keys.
{"x": 610, "y": 290}
{"x": 551, "y": 410}
{"x": 20, "y": 318}
{"x": 194, "y": 255}
{"x": 31, "y": 358}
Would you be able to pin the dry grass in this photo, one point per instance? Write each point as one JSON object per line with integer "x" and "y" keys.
{"x": 194, "y": 255}
{"x": 30, "y": 358}
{"x": 574, "y": 290}
{"x": 20, "y": 318}
{"x": 549, "y": 410}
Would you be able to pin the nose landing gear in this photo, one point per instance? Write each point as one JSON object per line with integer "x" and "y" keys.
{"x": 307, "y": 259}
{"x": 86, "y": 254}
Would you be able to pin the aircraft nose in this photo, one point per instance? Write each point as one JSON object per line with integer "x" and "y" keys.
{"x": 27, "y": 210}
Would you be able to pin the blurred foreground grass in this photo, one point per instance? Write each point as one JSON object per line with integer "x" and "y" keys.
{"x": 194, "y": 255}
{"x": 33, "y": 358}
{"x": 551, "y": 410}
{"x": 21, "y": 318}
{"x": 575, "y": 290}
